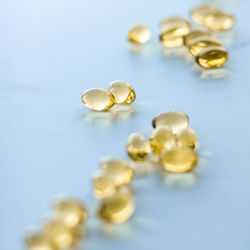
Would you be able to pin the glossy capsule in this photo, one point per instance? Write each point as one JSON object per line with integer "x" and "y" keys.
{"x": 122, "y": 91}
{"x": 138, "y": 147}
{"x": 212, "y": 57}
{"x": 139, "y": 34}
{"x": 199, "y": 13}
{"x": 71, "y": 211}
{"x": 119, "y": 171}
{"x": 187, "y": 139}
{"x": 162, "y": 138}
{"x": 39, "y": 241}
{"x": 176, "y": 22}
{"x": 118, "y": 208}
{"x": 98, "y": 99}
{"x": 174, "y": 120}
{"x": 178, "y": 160}
{"x": 203, "y": 42}
{"x": 195, "y": 34}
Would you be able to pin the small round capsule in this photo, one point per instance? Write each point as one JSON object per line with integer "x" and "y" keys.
{"x": 71, "y": 211}
{"x": 118, "y": 170}
{"x": 103, "y": 185}
{"x": 187, "y": 139}
{"x": 39, "y": 241}
{"x": 138, "y": 147}
{"x": 174, "y": 120}
{"x": 139, "y": 34}
{"x": 98, "y": 99}
{"x": 176, "y": 22}
{"x": 178, "y": 160}
{"x": 212, "y": 57}
{"x": 203, "y": 42}
{"x": 198, "y": 13}
{"x": 162, "y": 138}
{"x": 118, "y": 208}
{"x": 122, "y": 91}
{"x": 193, "y": 35}
{"x": 60, "y": 234}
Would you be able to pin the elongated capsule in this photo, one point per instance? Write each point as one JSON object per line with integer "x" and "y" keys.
{"x": 212, "y": 57}
{"x": 178, "y": 160}
{"x": 38, "y": 241}
{"x": 98, "y": 99}
{"x": 203, "y": 42}
{"x": 139, "y": 34}
{"x": 193, "y": 35}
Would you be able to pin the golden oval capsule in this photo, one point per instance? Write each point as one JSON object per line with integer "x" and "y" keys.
{"x": 139, "y": 34}
{"x": 176, "y": 22}
{"x": 122, "y": 91}
{"x": 103, "y": 185}
{"x": 187, "y": 139}
{"x": 198, "y": 13}
{"x": 60, "y": 234}
{"x": 39, "y": 241}
{"x": 219, "y": 21}
{"x": 174, "y": 120}
{"x": 169, "y": 40}
{"x": 178, "y": 160}
{"x": 203, "y": 42}
{"x": 120, "y": 171}
{"x": 212, "y": 57}
{"x": 98, "y": 99}
{"x": 71, "y": 211}
{"x": 162, "y": 138}
{"x": 118, "y": 208}
{"x": 138, "y": 147}
{"x": 193, "y": 35}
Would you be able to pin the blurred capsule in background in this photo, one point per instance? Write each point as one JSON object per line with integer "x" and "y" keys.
{"x": 194, "y": 34}
{"x": 139, "y": 34}
{"x": 39, "y": 241}
{"x": 187, "y": 138}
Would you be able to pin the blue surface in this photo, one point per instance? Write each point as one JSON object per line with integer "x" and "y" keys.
{"x": 50, "y": 52}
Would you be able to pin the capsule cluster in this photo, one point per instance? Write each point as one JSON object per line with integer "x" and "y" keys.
{"x": 63, "y": 230}
{"x": 201, "y": 43}
{"x": 172, "y": 141}
{"x": 100, "y": 99}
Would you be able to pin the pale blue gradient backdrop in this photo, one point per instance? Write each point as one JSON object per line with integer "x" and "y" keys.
{"x": 50, "y": 52}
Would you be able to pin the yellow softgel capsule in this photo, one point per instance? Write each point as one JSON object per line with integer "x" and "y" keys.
{"x": 198, "y": 13}
{"x": 187, "y": 139}
{"x": 98, "y": 99}
{"x": 138, "y": 147}
{"x": 139, "y": 34}
{"x": 212, "y": 57}
{"x": 174, "y": 120}
{"x": 118, "y": 208}
{"x": 39, "y": 241}
{"x": 162, "y": 138}
{"x": 203, "y": 42}
{"x": 60, "y": 234}
{"x": 119, "y": 170}
{"x": 219, "y": 21}
{"x": 122, "y": 91}
{"x": 71, "y": 211}
{"x": 178, "y": 160}
{"x": 193, "y": 35}
{"x": 103, "y": 185}
{"x": 176, "y": 22}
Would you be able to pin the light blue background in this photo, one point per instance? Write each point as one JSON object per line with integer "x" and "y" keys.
{"x": 53, "y": 50}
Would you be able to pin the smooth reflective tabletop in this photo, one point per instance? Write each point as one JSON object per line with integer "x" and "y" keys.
{"x": 51, "y": 52}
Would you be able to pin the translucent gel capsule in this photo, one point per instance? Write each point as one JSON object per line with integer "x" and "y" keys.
{"x": 203, "y": 42}
{"x": 212, "y": 57}
{"x": 139, "y": 34}
{"x": 120, "y": 171}
{"x": 187, "y": 139}
{"x": 122, "y": 91}
{"x": 198, "y": 13}
{"x": 162, "y": 138}
{"x": 138, "y": 147}
{"x": 174, "y": 120}
{"x": 103, "y": 185}
{"x": 219, "y": 21}
{"x": 60, "y": 234}
{"x": 174, "y": 22}
{"x": 98, "y": 99}
{"x": 71, "y": 211}
{"x": 178, "y": 160}
{"x": 118, "y": 208}
{"x": 39, "y": 241}
{"x": 193, "y": 35}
